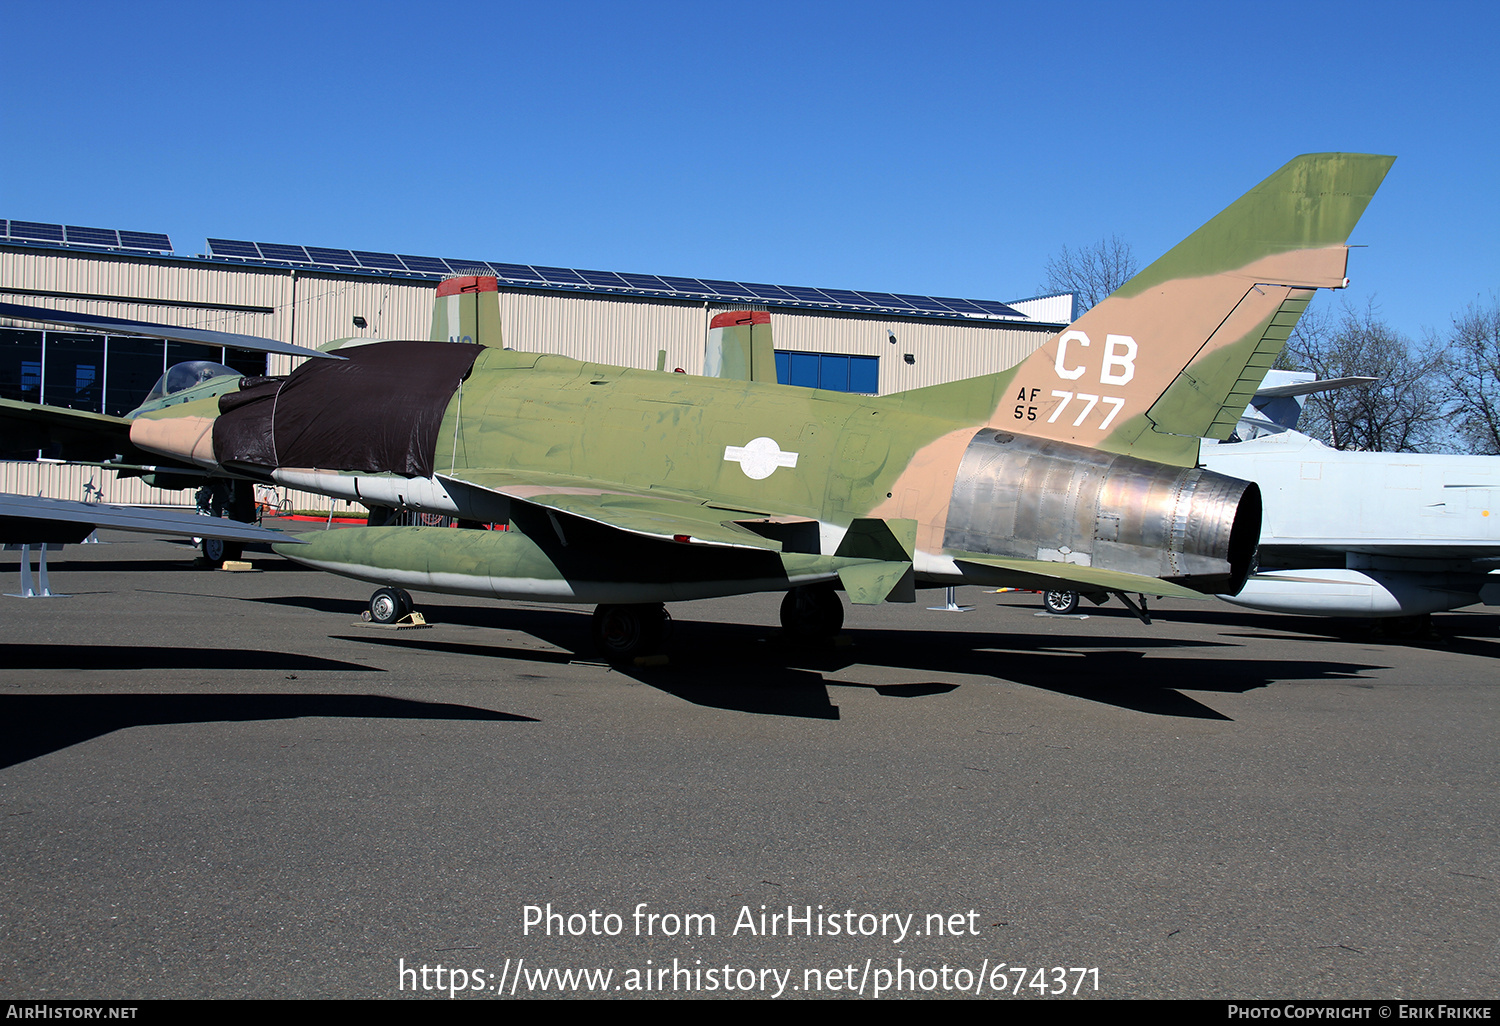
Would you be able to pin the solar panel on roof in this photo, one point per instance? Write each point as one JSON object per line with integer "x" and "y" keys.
{"x": 995, "y": 309}
{"x": 93, "y": 236}
{"x": 645, "y": 281}
{"x": 561, "y": 275}
{"x": 424, "y": 265}
{"x": 919, "y": 302}
{"x": 233, "y": 248}
{"x": 36, "y": 230}
{"x": 806, "y": 295}
{"x": 725, "y": 288}
{"x": 886, "y": 300}
{"x": 337, "y": 257}
{"x": 146, "y": 240}
{"x": 845, "y": 297}
{"x": 961, "y": 305}
{"x": 609, "y": 279}
{"x": 277, "y": 251}
{"x": 760, "y": 291}
{"x": 523, "y": 274}
{"x": 514, "y": 272}
{"x": 691, "y": 286}
{"x": 384, "y": 261}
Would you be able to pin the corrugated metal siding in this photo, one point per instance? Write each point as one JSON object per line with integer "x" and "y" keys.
{"x": 621, "y": 331}
{"x": 90, "y": 484}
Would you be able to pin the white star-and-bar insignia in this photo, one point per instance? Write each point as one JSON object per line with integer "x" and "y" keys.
{"x": 759, "y": 457}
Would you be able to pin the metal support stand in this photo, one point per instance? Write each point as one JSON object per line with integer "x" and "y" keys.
{"x": 952, "y": 606}
{"x": 29, "y": 590}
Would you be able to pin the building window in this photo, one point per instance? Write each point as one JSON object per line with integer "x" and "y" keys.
{"x": 98, "y": 373}
{"x": 833, "y": 371}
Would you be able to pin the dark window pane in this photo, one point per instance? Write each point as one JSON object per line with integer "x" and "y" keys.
{"x": 73, "y": 375}
{"x": 783, "y": 368}
{"x": 249, "y": 364}
{"x": 133, "y": 365}
{"x": 20, "y": 365}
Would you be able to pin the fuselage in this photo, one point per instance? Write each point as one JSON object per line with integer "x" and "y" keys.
{"x": 469, "y": 431}
{"x": 1368, "y": 533}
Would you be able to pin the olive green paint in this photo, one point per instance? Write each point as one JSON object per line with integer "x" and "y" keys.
{"x": 1313, "y": 201}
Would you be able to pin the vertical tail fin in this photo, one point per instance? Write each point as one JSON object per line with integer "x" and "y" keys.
{"x": 1183, "y": 345}
{"x": 1176, "y": 352}
{"x": 739, "y": 347}
{"x": 467, "y": 309}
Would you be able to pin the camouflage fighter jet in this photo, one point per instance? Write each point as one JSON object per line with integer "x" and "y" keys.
{"x": 628, "y": 489}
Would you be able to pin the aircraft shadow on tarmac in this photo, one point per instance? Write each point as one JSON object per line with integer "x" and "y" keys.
{"x": 751, "y": 668}
{"x": 27, "y": 656}
{"x": 1462, "y": 632}
{"x": 35, "y": 725}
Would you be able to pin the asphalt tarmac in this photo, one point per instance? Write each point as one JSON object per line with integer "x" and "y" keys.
{"x": 222, "y": 784}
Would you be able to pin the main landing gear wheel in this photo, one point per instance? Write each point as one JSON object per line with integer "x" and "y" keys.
{"x": 621, "y": 633}
{"x": 217, "y": 551}
{"x": 1060, "y": 602}
{"x": 812, "y": 613}
{"x": 389, "y": 605}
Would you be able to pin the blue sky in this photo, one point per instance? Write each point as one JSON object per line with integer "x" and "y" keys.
{"x": 944, "y": 150}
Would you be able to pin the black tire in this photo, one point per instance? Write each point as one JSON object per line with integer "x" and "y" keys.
{"x": 1060, "y": 602}
{"x": 389, "y": 605}
{"x": 622, "y": 633}
{"x": 812, "y": 612}
{"x": 216, "y": 551}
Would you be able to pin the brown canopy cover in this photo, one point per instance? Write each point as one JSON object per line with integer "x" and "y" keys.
{"x": 377, "y": 411}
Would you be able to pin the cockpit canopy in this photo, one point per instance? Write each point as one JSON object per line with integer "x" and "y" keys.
{"x": 187, "y": 374}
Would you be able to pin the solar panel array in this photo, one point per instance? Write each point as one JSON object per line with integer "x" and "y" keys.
{"x": 576, "y": 280}
{"x": 72, "y": 235}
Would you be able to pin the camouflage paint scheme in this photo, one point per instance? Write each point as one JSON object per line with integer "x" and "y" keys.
{"x": 630, "y": 486}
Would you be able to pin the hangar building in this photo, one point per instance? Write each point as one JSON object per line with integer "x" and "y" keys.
{"x": 836, "y": 339}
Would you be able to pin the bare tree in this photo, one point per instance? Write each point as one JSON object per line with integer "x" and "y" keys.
{"x": 1401, "y": 412}
{"x": 1092, "y": 273}
{"x": 1473, "y": 373}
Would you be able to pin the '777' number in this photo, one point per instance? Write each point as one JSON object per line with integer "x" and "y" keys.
{"x": 1089, "y": 402}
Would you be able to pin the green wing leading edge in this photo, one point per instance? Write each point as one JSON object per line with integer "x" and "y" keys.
{"x": 629, "y": 488}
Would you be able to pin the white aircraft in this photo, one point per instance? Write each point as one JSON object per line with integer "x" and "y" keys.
{"x": 1370, "y": 534}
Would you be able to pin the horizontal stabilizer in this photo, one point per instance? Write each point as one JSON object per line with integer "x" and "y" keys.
{"x": 873, "y": 538}
{"x": 1308, "y": 387}
{"x": 1085, "y": 577}
{"x": 884, "y": 549}
{"x": 869, "y": 584}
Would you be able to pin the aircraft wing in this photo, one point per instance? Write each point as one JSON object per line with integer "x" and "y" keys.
{"x": 686, "y": 521}
{"x": 203, "y": 336}
{"x": 1308, "y": 387}
{"x": 1043, "y": 574}
{"x": 76, "y": 436}
{"x": 651, "y": 516}
{"x": 25, "y": 519}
